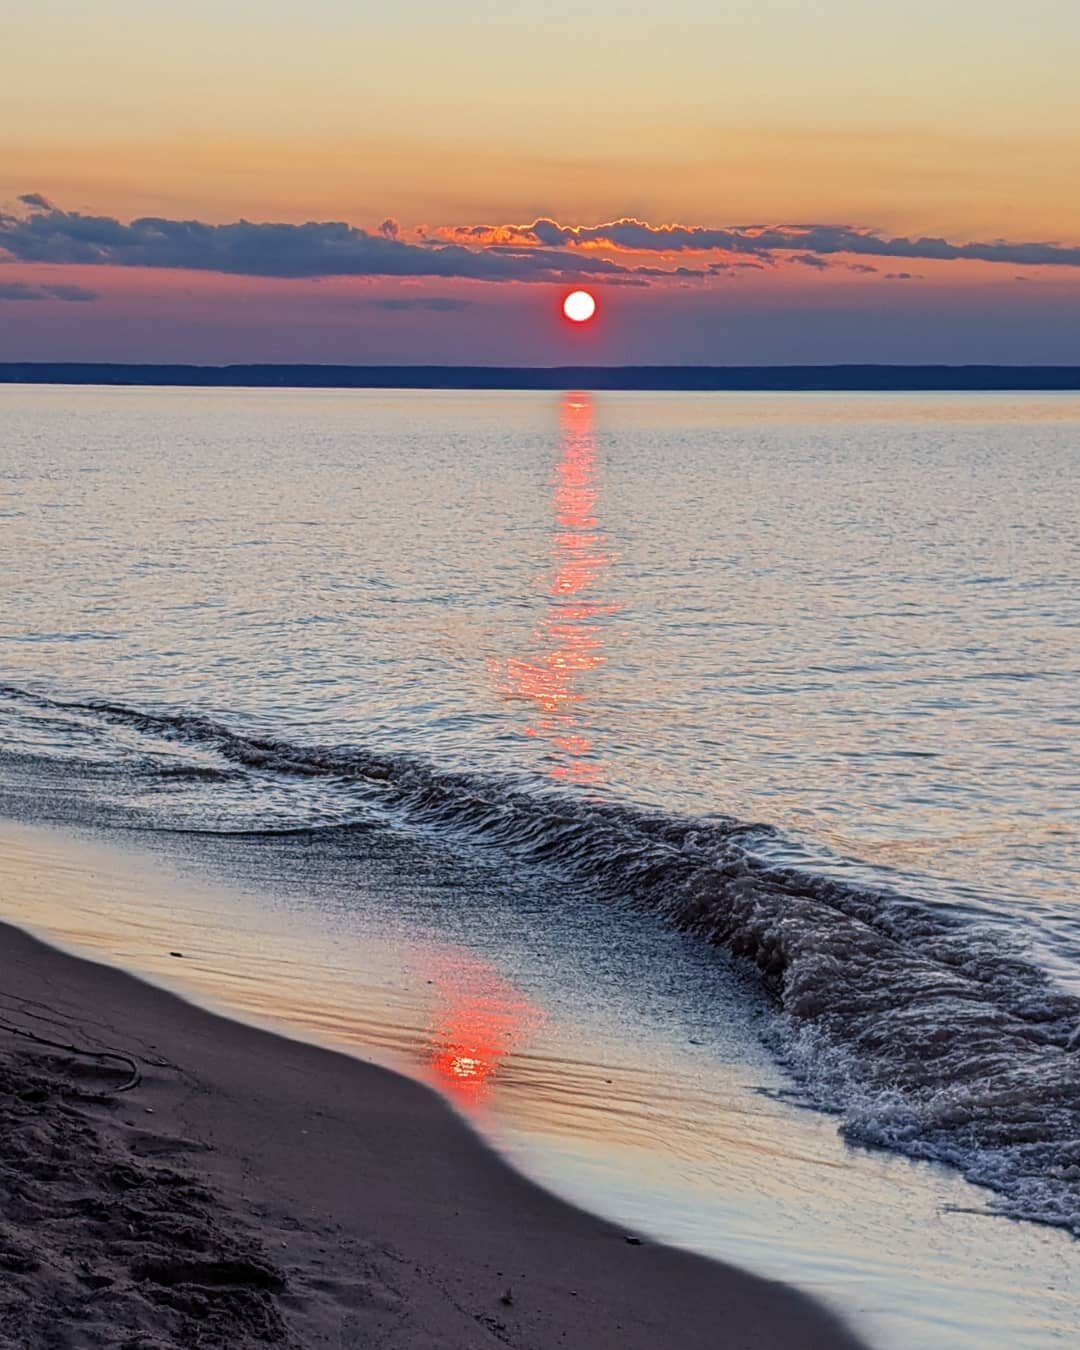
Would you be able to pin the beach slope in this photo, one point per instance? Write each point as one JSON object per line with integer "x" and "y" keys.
{"x": 251, "y": 1190}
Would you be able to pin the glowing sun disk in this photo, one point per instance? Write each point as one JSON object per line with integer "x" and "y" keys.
{"x": 579, "y": 306}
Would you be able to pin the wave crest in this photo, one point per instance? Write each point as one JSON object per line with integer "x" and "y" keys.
{"x": 920, "y": 1025}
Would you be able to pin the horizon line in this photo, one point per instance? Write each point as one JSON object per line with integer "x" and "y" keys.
{"x": 847, "y": 377}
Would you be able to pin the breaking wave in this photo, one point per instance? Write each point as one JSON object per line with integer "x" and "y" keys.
{"x": 921, "y": 1026}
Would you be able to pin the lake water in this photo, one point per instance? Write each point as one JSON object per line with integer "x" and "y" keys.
{"x": 685, "y": 785}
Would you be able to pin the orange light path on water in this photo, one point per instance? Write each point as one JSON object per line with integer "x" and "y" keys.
{"x": 568, "y": 644}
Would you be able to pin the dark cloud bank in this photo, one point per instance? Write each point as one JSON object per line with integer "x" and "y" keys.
{"x": 46, "y": 234}
{"x": 41, "y": 232}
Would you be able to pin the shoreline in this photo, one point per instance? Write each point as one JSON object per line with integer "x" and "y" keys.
{"x": 382, "y": 1218}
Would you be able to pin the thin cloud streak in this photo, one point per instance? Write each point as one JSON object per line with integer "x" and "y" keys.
{"x": 23, "y": 291}
{"x": 435, "y": 304}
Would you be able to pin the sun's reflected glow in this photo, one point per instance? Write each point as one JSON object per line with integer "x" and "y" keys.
{"x": 478, "y": 1018}
{"x": 568, "y": 644}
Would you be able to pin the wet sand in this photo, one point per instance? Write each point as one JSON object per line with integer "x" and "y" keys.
{"x": 253, "y": 1190}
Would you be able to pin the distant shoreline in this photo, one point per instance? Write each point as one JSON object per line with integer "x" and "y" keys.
{"x": 688, "y": 379}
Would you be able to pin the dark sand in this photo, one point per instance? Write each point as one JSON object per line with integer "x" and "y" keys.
{"x": 252, "y": 1190}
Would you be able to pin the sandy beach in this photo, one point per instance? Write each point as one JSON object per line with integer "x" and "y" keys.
{"x": 216, "y": 1185}
{"x": 538, "y": 676}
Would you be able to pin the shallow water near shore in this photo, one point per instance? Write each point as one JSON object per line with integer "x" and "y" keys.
{"x": 644, "y": 771}
{"x": 637, "y": 1101}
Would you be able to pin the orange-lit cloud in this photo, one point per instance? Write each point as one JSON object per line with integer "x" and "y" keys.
{"x": 763, "y": 241}
{"x": 621, "y": 251}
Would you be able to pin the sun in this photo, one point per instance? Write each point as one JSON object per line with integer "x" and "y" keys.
{"x": 579, "y": 306}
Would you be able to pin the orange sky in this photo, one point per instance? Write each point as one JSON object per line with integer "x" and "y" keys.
{"x": 939, "y": 118}
{"x": 959, "y": 121}
{"x": 900, "y": 182}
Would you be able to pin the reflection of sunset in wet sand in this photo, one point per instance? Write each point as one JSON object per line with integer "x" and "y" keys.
{"x": 477, "y": 1019}
{"x": 568, "y": 643}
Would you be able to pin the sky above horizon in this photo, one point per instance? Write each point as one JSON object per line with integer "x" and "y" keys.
{"x": 766, "y": 182}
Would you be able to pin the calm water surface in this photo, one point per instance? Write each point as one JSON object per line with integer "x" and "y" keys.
{"x": 850, "y": 617}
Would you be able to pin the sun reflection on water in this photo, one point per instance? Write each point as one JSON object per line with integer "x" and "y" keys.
{"x": 568, "y": 643}
{"x": 478, "y": 1018}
